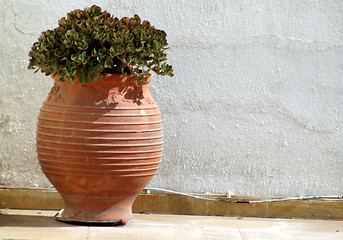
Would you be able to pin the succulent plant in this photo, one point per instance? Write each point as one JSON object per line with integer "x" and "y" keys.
{"x": 90, "y": 43}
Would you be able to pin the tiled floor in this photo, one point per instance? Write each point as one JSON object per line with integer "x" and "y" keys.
{"x": 34, "y": 224}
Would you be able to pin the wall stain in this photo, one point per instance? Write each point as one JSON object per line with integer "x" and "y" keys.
{"x": 4, "y": 119}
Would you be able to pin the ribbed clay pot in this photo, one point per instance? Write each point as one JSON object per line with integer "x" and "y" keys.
{"x": 99, "y": 145}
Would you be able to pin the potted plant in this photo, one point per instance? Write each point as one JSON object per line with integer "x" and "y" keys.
{"x": 99, "y": 134}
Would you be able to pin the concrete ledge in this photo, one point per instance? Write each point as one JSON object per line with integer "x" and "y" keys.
{"x": 49, "y": 199}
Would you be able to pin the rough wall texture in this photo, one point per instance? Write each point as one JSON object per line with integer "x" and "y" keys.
{"x": 255, "y": 107}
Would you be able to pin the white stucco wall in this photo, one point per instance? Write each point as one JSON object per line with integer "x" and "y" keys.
{"x": 255, "y": 107}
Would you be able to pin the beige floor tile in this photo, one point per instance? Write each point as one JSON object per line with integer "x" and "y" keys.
{"x": 288, "y": 235}
{"x": 151, "y": 227}
{"x": 147, "y": 232}
{"x": 291, "y": 229}
{"x": 38, "y": 227}
{"x": 214, "y": 233}
{"x": 37, "y": 233}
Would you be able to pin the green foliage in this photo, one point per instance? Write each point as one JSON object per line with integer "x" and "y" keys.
{"x": 90, "y": 43}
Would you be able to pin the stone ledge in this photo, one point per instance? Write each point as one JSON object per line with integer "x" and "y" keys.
{"x": 49, "y": 199}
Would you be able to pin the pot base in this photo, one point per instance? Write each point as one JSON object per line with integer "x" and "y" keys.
{"x": 60, "y": 218}
{"x": 97, "y": 209}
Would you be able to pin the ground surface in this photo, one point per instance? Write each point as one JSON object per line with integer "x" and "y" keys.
{"x": 35, "y": 224}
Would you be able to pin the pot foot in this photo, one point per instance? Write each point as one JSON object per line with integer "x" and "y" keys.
{"x": 59, "y": 217}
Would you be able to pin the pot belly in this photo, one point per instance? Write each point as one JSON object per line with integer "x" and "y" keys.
{"x": 99, "y": 159}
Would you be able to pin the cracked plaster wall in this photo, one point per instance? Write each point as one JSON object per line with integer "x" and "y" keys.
{"x": 255, "y": 107}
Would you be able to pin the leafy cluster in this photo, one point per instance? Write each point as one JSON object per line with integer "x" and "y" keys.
{"x": 90, "y": 43}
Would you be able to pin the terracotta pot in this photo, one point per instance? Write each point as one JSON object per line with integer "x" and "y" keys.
{"x": 99, "y": 145}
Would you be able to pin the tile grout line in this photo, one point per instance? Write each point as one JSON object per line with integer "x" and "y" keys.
{"x": 202, "y": 232}
{"x": 240, "y": 233}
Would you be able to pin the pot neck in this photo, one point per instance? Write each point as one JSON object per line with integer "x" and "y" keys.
{"x": 113, "y": 79}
